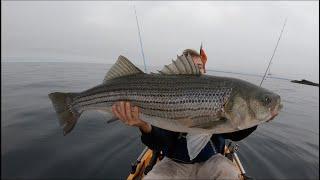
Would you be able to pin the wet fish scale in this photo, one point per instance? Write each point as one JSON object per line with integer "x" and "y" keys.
{"x": 189, "y": 97}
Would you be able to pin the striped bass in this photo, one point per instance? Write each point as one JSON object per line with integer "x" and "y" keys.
{"x": 178, "y": 99}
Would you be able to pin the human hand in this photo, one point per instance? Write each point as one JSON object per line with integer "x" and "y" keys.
{"x": 130, "y": 115}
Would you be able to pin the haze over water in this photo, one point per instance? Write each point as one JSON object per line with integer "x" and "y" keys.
{"x": 33, "y": 146}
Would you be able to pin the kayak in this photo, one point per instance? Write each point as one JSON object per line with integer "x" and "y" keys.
{"x": 148, "y": 158}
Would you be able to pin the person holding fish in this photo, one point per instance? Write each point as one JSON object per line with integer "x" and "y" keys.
{"x": 180, "y": 111}
{"x": 209, "y": 163}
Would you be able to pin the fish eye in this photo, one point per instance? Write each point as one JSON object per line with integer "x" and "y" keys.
{"x": 267, "y": 100}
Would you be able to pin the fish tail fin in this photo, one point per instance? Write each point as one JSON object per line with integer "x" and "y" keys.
{"x": 67, "y": 115}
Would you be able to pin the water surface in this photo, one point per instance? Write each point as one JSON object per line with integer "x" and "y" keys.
{"x": 33, "y": 147}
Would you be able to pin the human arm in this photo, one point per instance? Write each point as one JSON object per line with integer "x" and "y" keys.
{"x": 153, "y": 137}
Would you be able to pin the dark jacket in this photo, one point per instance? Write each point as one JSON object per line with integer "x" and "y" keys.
{"x": 173, "y": 144}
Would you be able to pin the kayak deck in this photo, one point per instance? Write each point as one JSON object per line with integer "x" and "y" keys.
{"x": 138, "y": 171}
{"x": 141, "y": 166}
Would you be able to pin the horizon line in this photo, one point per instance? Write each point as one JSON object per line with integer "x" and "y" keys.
{"x": 212, "y": 70}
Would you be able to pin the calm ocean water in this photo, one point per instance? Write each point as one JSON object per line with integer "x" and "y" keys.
{"x": 33, "y": 147}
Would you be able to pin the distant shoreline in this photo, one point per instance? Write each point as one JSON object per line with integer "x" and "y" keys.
{"x": 303, "y": 81}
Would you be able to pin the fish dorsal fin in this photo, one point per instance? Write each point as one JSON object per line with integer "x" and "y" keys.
{"x": 182, "y": 65}
{"x": 123, "y": 67}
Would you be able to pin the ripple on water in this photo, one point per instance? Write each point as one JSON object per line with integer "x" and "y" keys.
{"x": 33, "y": 145}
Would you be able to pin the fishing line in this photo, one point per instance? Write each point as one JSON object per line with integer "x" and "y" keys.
{"x": 274, "y": 51}
{"x": 140, "y": 40}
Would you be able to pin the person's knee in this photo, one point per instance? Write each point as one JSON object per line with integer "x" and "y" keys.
{"x": 153, "y": 176}
{"x": 226, "y": 172}
{"x": 218, "y": 167}
{"x": 164, "y": 169}
{"x": 225, "y": 169}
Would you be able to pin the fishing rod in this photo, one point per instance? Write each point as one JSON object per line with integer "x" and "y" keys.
{"x": 140, "y": 40}
{"x": 274, "y": 51}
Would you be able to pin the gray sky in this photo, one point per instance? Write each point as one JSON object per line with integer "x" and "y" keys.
{"x": 237, "y": 36}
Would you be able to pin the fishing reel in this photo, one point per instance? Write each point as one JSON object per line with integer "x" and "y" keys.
{"x": 232, "y": 148}
{"x": 232, "y": 155}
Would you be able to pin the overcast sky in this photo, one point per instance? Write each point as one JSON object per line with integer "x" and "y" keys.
{"x": 237, "y": 36}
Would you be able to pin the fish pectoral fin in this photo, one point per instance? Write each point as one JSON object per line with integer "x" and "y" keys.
{"x": 188, "y": 122}
{"x": 198, "y": 122}
{"x": 196, "y": 142}
{"x": 113, "y": 119}
{"x": 108, "y": 115}
{"x": 123, "y": 67}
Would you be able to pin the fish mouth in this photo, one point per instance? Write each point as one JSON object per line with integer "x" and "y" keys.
{"x": 272, "y": 116}
{"x": 274, "y": 113}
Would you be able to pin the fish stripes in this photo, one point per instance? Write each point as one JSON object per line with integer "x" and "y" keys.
{"x": 154, "y": 94}
{"x": 190, "y": 96}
